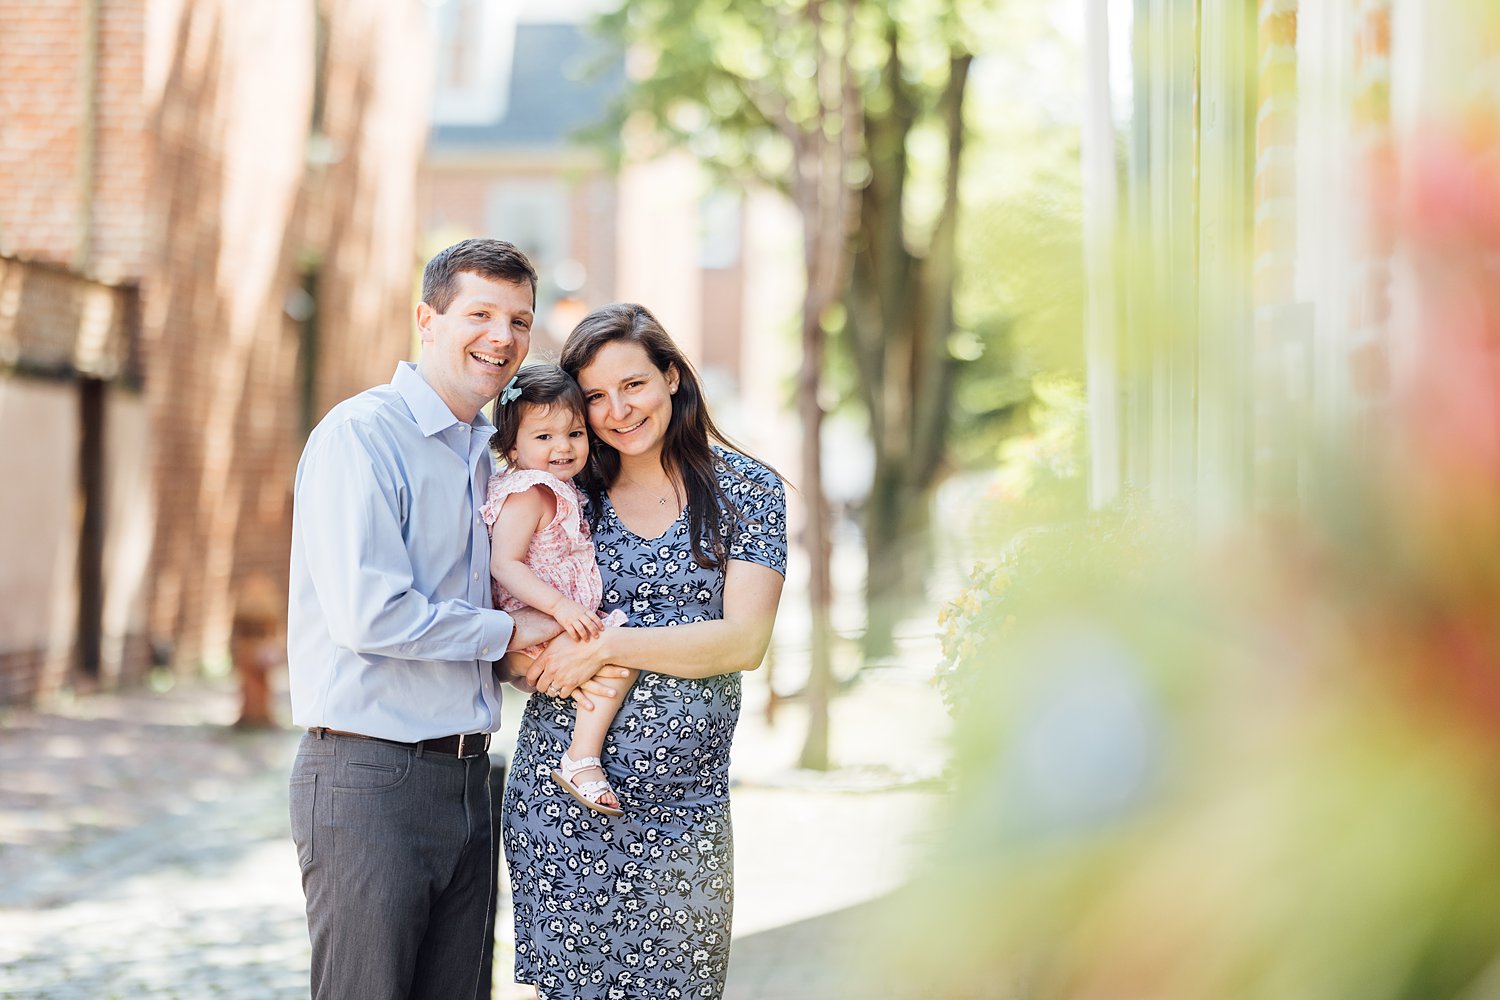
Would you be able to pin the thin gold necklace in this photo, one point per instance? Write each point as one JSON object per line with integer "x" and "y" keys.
{"x": 650, "y": 492}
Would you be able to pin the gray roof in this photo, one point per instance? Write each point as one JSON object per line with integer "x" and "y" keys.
{"x": 563, "y": 77}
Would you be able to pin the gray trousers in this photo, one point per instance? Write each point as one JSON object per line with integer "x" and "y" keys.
{"x": 397, "y": 866}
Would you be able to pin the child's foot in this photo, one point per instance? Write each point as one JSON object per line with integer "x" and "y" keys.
{"x": 584, "y": 780}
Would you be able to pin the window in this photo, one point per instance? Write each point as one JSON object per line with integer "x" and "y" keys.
{"x": 475, "y": 40}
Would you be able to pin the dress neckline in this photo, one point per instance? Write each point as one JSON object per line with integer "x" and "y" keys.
{"x": 610, "y": 503}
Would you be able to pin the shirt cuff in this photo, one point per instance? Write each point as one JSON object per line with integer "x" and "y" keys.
{"x": 496, "y": 627}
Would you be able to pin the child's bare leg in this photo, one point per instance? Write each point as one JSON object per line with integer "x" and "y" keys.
{"x": 592, "y": 726}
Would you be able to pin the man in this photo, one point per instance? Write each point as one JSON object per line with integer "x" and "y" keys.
{"x": 391, "y": 634}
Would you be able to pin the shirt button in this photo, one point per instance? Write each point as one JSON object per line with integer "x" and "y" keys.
{"x": 476, "y": 576}
{"x": 485, "y": 651}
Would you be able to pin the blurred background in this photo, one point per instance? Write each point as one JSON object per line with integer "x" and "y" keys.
{"x": 863, "y": 223}
{"x": 1136, "y": 364}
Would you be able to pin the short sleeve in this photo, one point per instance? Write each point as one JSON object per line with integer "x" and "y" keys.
{"x": 494, "y": 499}
{"x": 758, "y": 527}
{"x": 508, "y": 482}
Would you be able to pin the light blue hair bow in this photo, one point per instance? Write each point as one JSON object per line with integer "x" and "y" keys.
{"x": 510, "y": 391}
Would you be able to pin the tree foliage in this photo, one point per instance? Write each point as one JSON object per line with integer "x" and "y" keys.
{"x": 746, "y": 86}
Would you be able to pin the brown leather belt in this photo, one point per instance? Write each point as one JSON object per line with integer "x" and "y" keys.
{"x": 467, "y": 745}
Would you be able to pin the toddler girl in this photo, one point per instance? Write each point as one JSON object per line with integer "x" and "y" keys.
{"x": 541, "y": 549}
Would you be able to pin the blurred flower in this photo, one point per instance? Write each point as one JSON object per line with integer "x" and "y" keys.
{"x": 1269, "y": 770}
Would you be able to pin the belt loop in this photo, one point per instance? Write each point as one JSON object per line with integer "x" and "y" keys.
{"x": 461, "y": 739}
{"x": 319, "y": 732}
{"x": 421, "y": 748}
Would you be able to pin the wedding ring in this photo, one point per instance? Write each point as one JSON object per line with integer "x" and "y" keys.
{"x": 554, "y": 690}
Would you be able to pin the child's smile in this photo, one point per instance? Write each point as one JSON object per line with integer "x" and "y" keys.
{"x": 550, "y": 439}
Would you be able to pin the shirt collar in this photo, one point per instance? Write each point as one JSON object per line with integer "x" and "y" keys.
{"x": 427, "y": 407}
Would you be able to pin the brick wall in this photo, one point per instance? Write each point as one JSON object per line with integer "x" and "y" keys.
{"x": 193, "y": 172}
{"x": 41, "y": 104}
{"x": 118, "y": 237}
{"x": 244, "y": 214}
{"x": 73, "y": 171}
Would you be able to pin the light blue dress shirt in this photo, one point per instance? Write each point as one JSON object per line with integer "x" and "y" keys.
{"x": 391, "y": 629}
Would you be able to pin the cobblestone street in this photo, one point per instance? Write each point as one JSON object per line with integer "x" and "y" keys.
{"x": 145, "y": 846}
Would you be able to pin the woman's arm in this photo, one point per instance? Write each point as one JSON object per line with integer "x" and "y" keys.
{"x": 737, "y": 641}
{"x": 605, "y": 684}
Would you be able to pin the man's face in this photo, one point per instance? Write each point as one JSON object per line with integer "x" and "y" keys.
{"x": 470, "y": 351}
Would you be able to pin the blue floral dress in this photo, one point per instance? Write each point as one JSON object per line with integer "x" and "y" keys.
{"x": 639, "y": 907}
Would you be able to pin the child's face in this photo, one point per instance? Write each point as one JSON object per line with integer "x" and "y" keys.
{"x": 551, "y": 439}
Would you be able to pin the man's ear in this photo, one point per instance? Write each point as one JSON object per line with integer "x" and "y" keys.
{"x": 425, "y": 313}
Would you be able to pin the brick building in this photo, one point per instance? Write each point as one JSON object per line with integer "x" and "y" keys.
{"x": 207, "y": 237}
{"x": 516, "y": 151}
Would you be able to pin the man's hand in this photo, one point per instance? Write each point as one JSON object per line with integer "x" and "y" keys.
{"x": 532, "y": 628}
{"x": 512, "y": 670}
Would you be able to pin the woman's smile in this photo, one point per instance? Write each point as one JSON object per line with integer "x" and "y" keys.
{"x": 629, "y": 398}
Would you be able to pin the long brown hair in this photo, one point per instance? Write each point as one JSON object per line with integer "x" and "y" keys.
{"x": 686, "y": 449}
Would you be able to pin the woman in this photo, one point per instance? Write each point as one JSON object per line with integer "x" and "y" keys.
{"x": 689, "y": 535}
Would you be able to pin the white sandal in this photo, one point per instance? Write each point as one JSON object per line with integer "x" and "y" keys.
{"x": 587, "y": 792}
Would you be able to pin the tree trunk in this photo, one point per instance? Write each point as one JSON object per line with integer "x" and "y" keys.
{"x": 897, "y": 553}
{"x": 828, "y": 207}
{"x": 814, "y": 754}
{"x": 901, "y": 315}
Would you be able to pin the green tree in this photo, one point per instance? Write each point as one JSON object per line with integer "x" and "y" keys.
{"x": 856, "y": 111}
{"x": 768, "y": 90}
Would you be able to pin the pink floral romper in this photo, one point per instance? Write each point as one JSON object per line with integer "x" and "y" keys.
{"x": 561, "y": 554}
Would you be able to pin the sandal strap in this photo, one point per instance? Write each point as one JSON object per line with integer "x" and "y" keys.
{"x": 569, "y": 767}
{"x": 592, "y": 790}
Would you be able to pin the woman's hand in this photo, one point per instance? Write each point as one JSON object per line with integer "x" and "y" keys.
{"x": 513, "y": 670}
{"x": 600, "y": 685}
{"x": 567, "y": 663}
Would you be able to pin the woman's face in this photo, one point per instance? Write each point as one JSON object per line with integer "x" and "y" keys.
{"x": 629, "y": 399}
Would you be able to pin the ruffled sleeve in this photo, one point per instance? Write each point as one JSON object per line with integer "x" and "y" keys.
{"x": 508, "y": 482}
{"x": 758, "y": 529}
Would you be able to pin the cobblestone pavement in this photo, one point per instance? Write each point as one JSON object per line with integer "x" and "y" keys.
{"x": 144, "y": 849}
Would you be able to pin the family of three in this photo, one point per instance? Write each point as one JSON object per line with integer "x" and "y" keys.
{"x": 598, "y": 546}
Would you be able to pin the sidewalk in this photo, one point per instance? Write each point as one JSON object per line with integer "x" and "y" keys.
{"x": 144, "y": 847}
